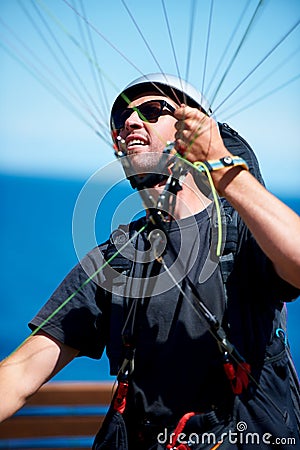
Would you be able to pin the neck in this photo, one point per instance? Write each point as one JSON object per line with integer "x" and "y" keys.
{"x": 188, "y": 202}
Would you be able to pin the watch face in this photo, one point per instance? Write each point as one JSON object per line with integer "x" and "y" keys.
{"x": 227, "y": 161}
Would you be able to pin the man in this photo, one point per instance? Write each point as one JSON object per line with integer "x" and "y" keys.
{"x": 161, "y": 328}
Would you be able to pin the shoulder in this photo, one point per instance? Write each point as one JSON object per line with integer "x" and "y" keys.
{"x": 115, "y": 253}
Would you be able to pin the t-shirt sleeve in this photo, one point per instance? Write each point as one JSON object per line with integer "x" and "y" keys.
{"x": 77, "y": 312}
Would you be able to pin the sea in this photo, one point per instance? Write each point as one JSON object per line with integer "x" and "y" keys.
{"x": 43, "y": 232}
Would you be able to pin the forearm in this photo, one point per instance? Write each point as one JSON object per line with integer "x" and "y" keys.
{"x": 12, "y": 392}
{"x": 274, "y": 225}
{"x": 28, "y": 368}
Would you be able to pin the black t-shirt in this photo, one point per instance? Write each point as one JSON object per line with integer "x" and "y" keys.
{"x": 178, "y": 365}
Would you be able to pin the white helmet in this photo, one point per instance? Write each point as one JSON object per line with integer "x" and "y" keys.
{"x": 169, "y": 85}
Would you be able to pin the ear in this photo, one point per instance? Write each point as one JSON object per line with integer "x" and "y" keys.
{"x": 114, "y": 135}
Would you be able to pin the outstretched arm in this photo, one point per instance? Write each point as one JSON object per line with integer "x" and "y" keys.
{"x": 274, "y": 225}
{"x": 22, "y": 373}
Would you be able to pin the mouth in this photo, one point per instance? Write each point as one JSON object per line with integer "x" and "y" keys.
{"x": 135, "y": 142}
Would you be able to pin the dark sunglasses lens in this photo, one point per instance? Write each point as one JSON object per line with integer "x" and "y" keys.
{"x": 120, "y": 117}
{"x": 150, "y": 110}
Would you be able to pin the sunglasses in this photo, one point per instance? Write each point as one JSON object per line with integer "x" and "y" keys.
{"x": 148, "y": 111}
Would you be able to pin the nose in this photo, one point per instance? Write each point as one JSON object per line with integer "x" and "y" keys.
{"x": 133, "y": 121}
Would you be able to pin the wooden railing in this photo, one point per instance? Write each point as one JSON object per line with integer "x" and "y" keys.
{"x": 58, "y": 416}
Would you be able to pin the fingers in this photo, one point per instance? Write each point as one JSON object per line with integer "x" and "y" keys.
{"x": 190, "y": 125}
{"x": 186, "y": 112}
{"x": 197, "y": 135}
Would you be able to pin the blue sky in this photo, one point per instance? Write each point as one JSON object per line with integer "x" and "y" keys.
{"x": 40, "y": 135}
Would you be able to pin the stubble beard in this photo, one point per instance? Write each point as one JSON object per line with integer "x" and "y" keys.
{"x": 148, "y": 162}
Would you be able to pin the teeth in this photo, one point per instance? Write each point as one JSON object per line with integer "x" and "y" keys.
{"x": 135, "y": 142}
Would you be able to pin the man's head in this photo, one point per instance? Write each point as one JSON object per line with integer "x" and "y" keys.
{"x": 142, "y": 116}
{"x": 166, "y": 85}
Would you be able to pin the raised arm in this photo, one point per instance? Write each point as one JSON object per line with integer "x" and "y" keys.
{"x": 274, "y": 225}
{"x": 21, "y": 374}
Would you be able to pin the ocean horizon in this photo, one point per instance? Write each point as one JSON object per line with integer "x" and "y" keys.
{"x": 38, "y": 251}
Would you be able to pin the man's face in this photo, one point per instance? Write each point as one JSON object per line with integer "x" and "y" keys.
{"x": 145, "y": 141}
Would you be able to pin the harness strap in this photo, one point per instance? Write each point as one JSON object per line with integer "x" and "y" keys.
{"x": 178, "y": 430}
{"x": 119, "y": 402}
{"x": 189, "y": 422}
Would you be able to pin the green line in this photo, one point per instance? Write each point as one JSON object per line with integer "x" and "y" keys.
{"x": 87, "y": 281}
{"x": 215, "y": 196}
{"x": 201, "y": 169}
{"x": 75, "y": 41}
{"x": 48, "y": 85}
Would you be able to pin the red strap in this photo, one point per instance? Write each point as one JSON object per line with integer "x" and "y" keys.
{"x": 239, "y": 378}
{"x": 120, "y": 398}
{"x": 230, "y": 371}
{"x": 180, "y": 426}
